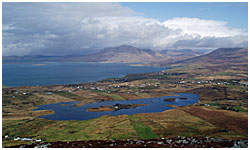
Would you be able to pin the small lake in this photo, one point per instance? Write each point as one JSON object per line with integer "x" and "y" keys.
{"x": 69, "y": 112}
{"x": 67, "y": 73}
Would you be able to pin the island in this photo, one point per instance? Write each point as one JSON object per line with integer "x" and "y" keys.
{"x": 170, "y": 99}
{"x": 115, "y": 107}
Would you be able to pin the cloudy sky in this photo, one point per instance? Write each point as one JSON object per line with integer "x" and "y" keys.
{"x": 76, "y": 28}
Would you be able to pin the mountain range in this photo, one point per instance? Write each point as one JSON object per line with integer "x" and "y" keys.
{"x": 119, "y": 54}
{"x": 130, "y": 54}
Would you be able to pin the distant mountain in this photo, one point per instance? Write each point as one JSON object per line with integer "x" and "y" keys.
{"x": 173, "y": 55}
{"x": 186, "y": 52}
{"x": 119, "y": 54}
{"x": 227, "y": 58}
{"x": 30, "y": 59}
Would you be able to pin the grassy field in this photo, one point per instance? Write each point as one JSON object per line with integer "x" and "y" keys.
{"x": 142, "y": 130}
{"x": 105, "y": 127}
{"x": 112, "y": 96}
{"x": 69, "y": 95}
{"x": 240, "y": 109}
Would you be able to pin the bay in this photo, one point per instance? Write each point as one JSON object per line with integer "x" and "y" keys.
{"x": 67, "y": 73}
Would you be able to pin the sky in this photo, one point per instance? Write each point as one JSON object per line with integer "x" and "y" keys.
{"x": 235, "y": 14}
{"x": 76, "y": 28}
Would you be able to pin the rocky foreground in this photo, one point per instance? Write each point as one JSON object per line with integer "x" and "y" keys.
{"x": 177, "y": 142}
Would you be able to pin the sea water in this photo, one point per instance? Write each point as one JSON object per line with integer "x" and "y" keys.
{"x": 67, "y": 73}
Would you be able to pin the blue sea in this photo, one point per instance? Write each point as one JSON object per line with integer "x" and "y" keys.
{"x": 66, "y": 73}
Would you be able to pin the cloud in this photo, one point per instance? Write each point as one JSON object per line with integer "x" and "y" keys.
{"x": 72, "y": 28}
{"x": 8, "y": 27}
{"x": 203, "y": 28}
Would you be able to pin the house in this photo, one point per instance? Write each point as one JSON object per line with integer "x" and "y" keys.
{"x": 16, "y": 139}
{"x": 26, "y": 139}
{"x": 92, "y": 88}
{"x": 38, "y": 140}
{"x": 48, "y": 93}
{"x": 243, "y": 83}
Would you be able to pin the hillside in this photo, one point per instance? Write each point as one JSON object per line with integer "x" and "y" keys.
{"x": 221, "y": 55}
{"x": 222, "y": 58}
{"x": 171, "y": 56}
{"x": 223, "y": 63}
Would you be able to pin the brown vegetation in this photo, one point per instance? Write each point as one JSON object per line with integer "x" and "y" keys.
{"x": 221, "y": 118}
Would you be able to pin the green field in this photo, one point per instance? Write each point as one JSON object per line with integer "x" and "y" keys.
{"x": 113, "y": 96}
{"x": 142, "y": 130}
{"x": 69, "y": 95}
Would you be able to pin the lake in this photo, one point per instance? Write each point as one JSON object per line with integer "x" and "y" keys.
{"x": 67, "y": 73}
{"x": 69, "y": 112}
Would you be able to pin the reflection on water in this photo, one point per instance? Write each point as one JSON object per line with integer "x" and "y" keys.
{"x": 69, "y": 112}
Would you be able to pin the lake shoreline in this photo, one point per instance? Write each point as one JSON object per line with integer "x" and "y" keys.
{"x": 117, "y": 107}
